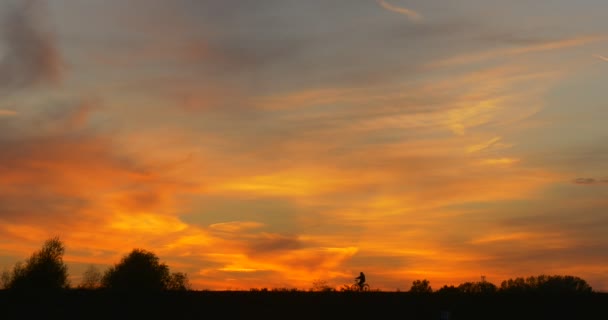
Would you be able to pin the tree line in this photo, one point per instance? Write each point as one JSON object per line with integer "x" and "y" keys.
{"x": 138, "y": 270}
{"x": 533, "y": 284}
{"x": 142, "y": 270}
{"x": 540, "y": 284}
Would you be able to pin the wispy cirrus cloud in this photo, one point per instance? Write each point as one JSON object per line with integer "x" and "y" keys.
{"x": 411, "y": 14}
{"x": 484, "y": 145}
{"x": 601, "y": 57}
{"x": 507, "y": 52}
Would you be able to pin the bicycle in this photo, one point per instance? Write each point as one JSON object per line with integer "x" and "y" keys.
{"x": 355, "y": 287}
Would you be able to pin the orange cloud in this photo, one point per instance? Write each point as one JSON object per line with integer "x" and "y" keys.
{"x": 499, "y": 161}
{"x": 483, "y": 146}
{"x": 415, "y": 176}
{"x": 235, "y": 226}
{"x": 506, "y": 52}
{"x": 7, "y": 113}
{"x": 411, "y": 14}
{"x": 601, "y": 57}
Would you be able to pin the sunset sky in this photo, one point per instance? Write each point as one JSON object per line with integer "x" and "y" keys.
{"x": 272, "y": 143}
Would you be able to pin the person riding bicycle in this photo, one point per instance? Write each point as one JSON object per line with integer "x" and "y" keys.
{"x": 361, "y": 279}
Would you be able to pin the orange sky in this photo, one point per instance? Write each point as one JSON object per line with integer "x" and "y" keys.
{"x": 275, "y": 143}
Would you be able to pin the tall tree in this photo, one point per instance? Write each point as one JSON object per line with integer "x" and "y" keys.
{"x": 44, "y": 269}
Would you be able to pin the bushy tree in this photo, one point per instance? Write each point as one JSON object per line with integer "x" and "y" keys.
{"x": 44, "y": 269}
{"x": 448, "y": 289}
{"x": 141, "y": 270}
{"x": 481, "y": 287}
{"x": 517, "y": 285}
{"x": 91, "y": 278}
{"x": 563, "y": 284}
{"x": 179, "y": 281}
{"x": 546, "y": 284}
{"x": 421, "y": 286}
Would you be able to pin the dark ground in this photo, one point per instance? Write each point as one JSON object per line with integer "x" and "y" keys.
{"x": 77, "y": 304}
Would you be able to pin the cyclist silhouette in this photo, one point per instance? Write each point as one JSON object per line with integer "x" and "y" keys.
{"x": 361, "y": 279}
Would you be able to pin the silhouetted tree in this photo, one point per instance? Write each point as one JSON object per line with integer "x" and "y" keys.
{"x": 448, "y": 290}
{"x": 517, "y": 285}
{"x": 5, "y": 279}
{"x": 563, "y": 284}
{"x": 179, "y": 281}
{"x": 421, "y": 286}
{"x": 284, "y": 290}
{"x": 546, "y": 284}
{"x": 482, "y": 287}
{"x": 91, "y": 278}
{"x": 141, "y": 270}
{"x": 43, "y": 270}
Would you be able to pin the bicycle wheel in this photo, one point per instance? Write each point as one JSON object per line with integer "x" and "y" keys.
{"x": 365, "y": 287}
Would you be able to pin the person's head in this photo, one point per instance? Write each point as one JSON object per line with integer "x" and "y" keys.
{"x": 361, "y": 273}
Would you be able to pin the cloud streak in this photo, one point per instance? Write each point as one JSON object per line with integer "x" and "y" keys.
{"x": 590, "y": 181}
{"x": 511, "y": 52}
{"x": 601, "y": 57}
{"x": 7, "y": 113}
{"x": 411, "y": 14}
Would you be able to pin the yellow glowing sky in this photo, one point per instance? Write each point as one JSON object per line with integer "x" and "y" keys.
{"x": 273, "y": 143}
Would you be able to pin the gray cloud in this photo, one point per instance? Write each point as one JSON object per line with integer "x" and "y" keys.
{"x": 584, "y": 181}
{"x": 44, "y": 170}
{"x": 35, "y": 204}
{"x": 589, "y": 181}
{"x": 272, "y": 243}
{"x": 29, "y": 55}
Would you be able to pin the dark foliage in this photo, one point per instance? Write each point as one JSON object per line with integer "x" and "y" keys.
{"x": 421, "y": 287}
{"x": 546, "y": 284}
{"x": 91, "y": 278}
{"x": 448, "y": 290}
{"x": 141, "y": 271}
{"x": 481, "y": 287}
{"x": 178, "y": 281}
{"x": 105, "y": 304}
{"x": 44, "y": 270}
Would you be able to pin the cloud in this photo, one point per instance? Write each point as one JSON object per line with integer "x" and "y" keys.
{"x": 601, "y": 57}
{"x": 7, "y": 113}
{"x": 499, "y": 161}
{"x": 30, "y": 53}
{"x": 483, "y": 146}
{"x": 589, "y": 181}
{"x": 59, "y": 174}
{"x": 235, "y": 226}
{"x": 272, "y": 243}
{"x": 411, "y": 14}
{"x": 507, "y": 52}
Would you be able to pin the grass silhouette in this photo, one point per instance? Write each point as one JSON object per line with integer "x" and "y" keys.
{"x": 105, "y": 304}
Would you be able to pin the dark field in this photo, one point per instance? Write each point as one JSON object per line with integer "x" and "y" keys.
{"x": 75, "y": 304}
